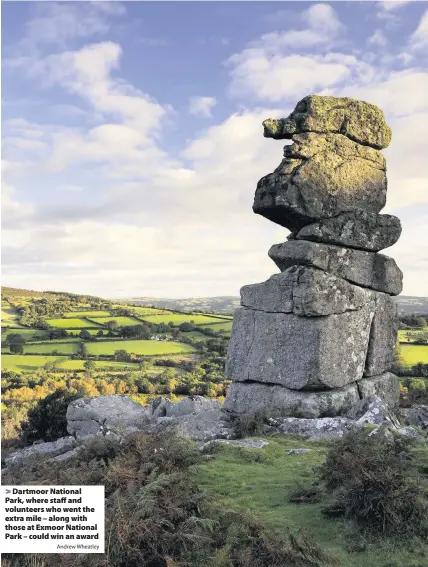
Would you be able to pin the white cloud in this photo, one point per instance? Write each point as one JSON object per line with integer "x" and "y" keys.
{"x": 202, "y": 106}
{"x": 393, "y": 4}
{"x": 88, "y": 73}
{"x": 378, "y": 38}
{"x": 322, "y": 17}
{"x": 419, "y": 38}
{"x": 277, "y": 77}
{"x": 57, "y": 23}
{"x": 132, "y": 120}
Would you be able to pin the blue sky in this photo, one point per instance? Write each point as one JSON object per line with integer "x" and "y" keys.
{"x": 132, "y": 140}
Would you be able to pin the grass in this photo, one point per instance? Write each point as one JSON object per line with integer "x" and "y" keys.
{"x": 65, "y": 348}
{"x": 9, "y": 315}
{"x": 28, "y": 334}
{"x": 177, "y": 319}
{"x": 148, "y": 348}
{"x": 67, "y": 323}
{"x": 78, "y": 314}
{"x": 121, "y": 321}
{"x": 225, "y": 326}
{"x": 31, "y": 363}
{"x": 412, "y": 354}
{"x": 196, "y": 335}
{"x": 262, "y": 480}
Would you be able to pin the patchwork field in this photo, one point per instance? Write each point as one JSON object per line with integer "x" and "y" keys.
{"x": 224, "y": 326}
{"x": 28, "y": 334}
{"x": 29, "y": 363}
{"x": 71, "y": 323}
{"x": 78, "y": 314}
{"x": 177, "y": 319}
{"x": 142, "y": 347}
{"x": 412, "y": 354}
{"x": 121, "y": 321}
{"x": 63, "y": 348}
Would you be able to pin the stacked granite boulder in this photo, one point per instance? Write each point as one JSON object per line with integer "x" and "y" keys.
{"x": 316, "y": 338}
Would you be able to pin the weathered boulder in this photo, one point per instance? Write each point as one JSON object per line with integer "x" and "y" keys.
{"x": 370, "y": 411}
{"x": 321, "y": 176}
{"x": 249, "y": 397}
{"x": 299, "y": 352}
{"x": 58, "y": 447}
{"x": 386, "y": 386}
{"x": 356, "y": 119}
{"x": 304, "y": 291}
{"x": 366, "y": 269}
{"x": 203, "y": 426}
{"x": 159, "y": 407}
{"x": 383, "y": 336}
{"x": 417, "y": 415}
{"x": 315, "y": 429}
{"x": 162, "y": 407}
{"x": 373, "y": 411}
{"x": 362, "y": 230}
{"x": 192, "y": 405}
{"x": 104, "y": 414}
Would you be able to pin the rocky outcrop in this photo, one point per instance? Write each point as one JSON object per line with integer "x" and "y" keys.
{"x": 355, "y": 119}
{"x": 385, "y": 386}
{"x": 103, "y": 415}
{"x": 250, "y": 397}
{"x": 366, "y": 269}
{"x": 48, "y": 450}
{"x": 321, "y": 176}
{"x": 383, "y": 336}
{"x": 299, "y": 352}
{"x": 308, "y": 292}
{"x": 362, "y": 230}
{"x": 370, "y": 411}
{"x": 206, "y": 421}
{"x": 195, "y": 417}
{"x": 316, "y": 338}
{"x": 417, "y": 415}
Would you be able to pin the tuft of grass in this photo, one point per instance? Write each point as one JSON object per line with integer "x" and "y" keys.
{"x": 375, "y": 483}
{"x": 250, "y": 424}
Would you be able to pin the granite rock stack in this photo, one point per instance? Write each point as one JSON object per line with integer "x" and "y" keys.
{"x": 314, "y": 339}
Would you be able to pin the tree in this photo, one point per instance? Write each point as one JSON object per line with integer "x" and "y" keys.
{"x": 100, "y": 334}
{"x": 15, "y": 338}
{"x": 89, "y": 365}
{"x": 187, "y": 327}
{"x": 144, "y": 365}
{"x": 16, "y": 348}
{"x": 85, "y": 334}
{"x": 46, "y": 420}
{"x": 112, "y": 325}
{"x": 121, "y": 355}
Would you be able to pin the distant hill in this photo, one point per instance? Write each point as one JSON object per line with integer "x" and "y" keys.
{"x": 225, "y": 304}
{"x": 407, "y": 304}
{"x": 221, "y": 304}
